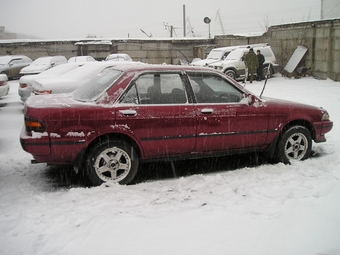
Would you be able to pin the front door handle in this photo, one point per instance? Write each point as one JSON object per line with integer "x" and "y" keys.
{"x": 128, "y": 112}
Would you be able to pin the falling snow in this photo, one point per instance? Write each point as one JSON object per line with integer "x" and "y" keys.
{"x": 256, "y": 209}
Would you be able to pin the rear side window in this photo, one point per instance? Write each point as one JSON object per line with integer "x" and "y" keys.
{"x": 157, "y": 88}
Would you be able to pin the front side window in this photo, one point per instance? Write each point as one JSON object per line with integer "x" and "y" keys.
{"x": 157, "y": 88}
{"x": 212, "y": 88}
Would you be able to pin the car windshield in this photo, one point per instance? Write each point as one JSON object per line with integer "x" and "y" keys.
{"x": 215, "y": 54}
{"x": 59, "y": 69}
{"x": 4, "y": 61}
{"x": 118, "y": 57}
{"x": 41, "y": 61}
{"x": 91, "y": 90}
{"x": 236, "y": 54}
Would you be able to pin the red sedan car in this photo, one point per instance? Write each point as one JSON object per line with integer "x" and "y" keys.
{"x": 134, "y": 113}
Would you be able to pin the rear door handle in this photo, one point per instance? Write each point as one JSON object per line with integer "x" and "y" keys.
{"x": 128, "y": 112}
{"x": 207, "y": 110}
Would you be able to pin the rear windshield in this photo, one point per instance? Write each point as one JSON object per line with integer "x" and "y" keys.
{"x": 92, "y": 89}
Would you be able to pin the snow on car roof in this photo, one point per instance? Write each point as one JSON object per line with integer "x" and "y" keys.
{"x": 6, "y": 59}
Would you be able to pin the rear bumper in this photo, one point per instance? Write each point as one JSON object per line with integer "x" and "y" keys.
{"x": 4, "y": 90}
{"x": 37, "y": 145}
{"x": 49, "y": 149}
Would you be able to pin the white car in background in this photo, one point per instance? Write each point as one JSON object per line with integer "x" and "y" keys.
{"x": 118, "y": 57}
{"x": 11, "y": 65}
{"x": 4, "y": 86}
{"x": 25, "y": 82}
{"x": 233, "y": 65}
{"x": 217, "y": 55}
{"x": 43, "y": 63}
{"x": 69, "y": 81}
{"x": 81, "y": 59}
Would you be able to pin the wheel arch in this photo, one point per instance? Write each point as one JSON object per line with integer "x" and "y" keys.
{"x": 272, "y": 148}
{"x": 231, "y": 68}
{"x": 300, "y": 122}
{"x": 80, "y": 159}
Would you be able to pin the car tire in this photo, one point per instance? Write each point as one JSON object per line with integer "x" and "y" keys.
{"x": 231, "y": 74}
{"x": 112, "y": 161}
{"x": 267, "y": 71}
{"x": 295, "y": 144}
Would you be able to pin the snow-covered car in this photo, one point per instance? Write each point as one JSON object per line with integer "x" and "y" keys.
{"x": 11, "y": 65}
{"x": 25, "y": 82}
{"x": 4, "y": 86}
{"x": 219, "y": 54}
{"x": 234, "y": 66}
{"x": 81, "y": 59}
{"x": 43, "y": 63}
{"x": 69, "y": 81}
{"x": 118, "y": 57}
{"x": 130, "y": 114}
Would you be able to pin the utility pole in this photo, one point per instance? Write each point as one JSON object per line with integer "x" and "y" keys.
{"x": 322, "y": 15}
{"x": 220, "y": 20}
{"x": 171, "y": 28}
{"x": 184, "y": 19}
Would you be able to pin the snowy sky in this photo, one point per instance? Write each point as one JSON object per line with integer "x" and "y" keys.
{"x": 57, "y": 19}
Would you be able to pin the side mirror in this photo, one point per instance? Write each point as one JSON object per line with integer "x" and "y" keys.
{"x": 249, "y": 99}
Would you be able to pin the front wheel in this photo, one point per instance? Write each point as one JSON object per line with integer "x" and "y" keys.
{"x": 295, "y": 144}
{"x": 112, "y": 161}
{"x": 231, "y": 74}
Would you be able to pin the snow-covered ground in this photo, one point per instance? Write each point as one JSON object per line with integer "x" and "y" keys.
{"x": 201, "y": 208}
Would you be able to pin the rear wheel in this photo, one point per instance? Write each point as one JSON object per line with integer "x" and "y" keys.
{"x": 112, "y": 161}
{"x": 295, "y": 144}
{"x": 267, "y": 71}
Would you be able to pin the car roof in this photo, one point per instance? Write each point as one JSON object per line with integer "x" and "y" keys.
{"x": 142, "y": 67}
{"x": 13, "y": 56}
{"x": 245, "y": 46}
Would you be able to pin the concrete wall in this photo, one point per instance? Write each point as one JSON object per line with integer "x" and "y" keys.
{"x": 320, "y": 37}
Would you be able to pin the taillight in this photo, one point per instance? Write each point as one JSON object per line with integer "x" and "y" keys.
{"x": 42, "y": 92}
{"x": 23, "y": 85}
{"x": 3, "y": 83}
{"x": 33, "y": 124}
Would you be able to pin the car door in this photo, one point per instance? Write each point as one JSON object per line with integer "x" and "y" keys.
{"x": 225, "y": 120}
{"x": 15, "y": 66}
{"x": 156, "y": 109}
{"x": 240, "y": 65}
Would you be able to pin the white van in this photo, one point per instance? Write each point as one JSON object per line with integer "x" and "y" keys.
{"x": 217, "y": 55}
{"x": 42, "y": 64}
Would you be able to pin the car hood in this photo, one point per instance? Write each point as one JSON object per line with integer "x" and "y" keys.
{"x": 299, "y": 110}
{"x": 204, "y": 62}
